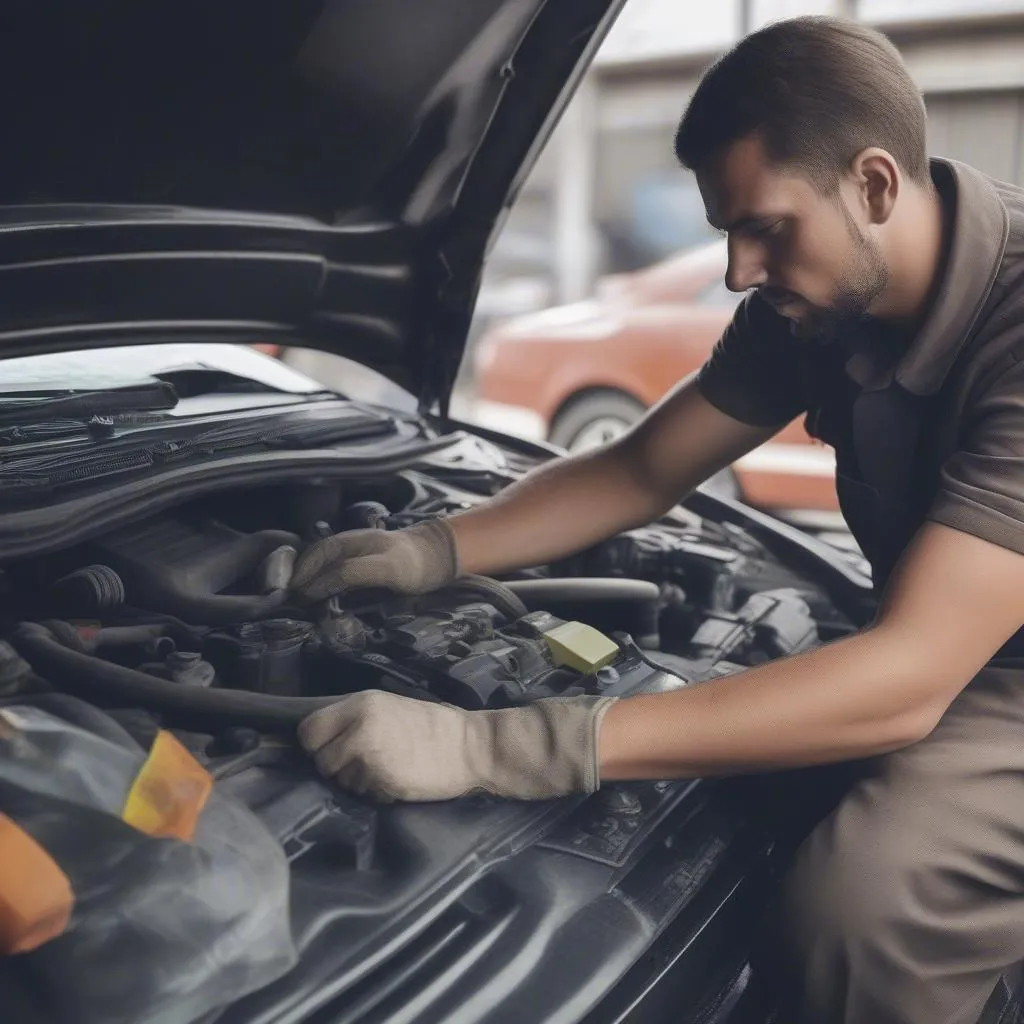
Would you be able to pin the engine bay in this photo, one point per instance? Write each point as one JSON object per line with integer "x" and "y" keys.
{"x": 196, "y": 601}
{"x": 184, "y": 621}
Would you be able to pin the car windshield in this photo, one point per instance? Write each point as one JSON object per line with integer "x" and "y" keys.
{"x": 110, "y": 368}
{"x": 229, "y": 374}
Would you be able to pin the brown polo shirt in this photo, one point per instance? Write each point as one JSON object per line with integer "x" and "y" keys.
{"x": 925, "y": 428}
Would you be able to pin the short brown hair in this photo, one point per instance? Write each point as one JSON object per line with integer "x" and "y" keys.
{"x": 816, "y": 90}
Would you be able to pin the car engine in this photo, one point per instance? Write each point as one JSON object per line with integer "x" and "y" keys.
{"x": 197, "y": 600}
{"x": 183, "y": 620}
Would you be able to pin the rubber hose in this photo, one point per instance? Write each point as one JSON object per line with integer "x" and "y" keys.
{"x": 119, "y": 636}
{"x": 611, "y": 604}
{"x": 536, "y": 592}
{"x": 490, "y": 590}
{"x": 226, "y": 609}
{"x": 92, "y": 678}
{"x": 93, "y": 588}
{"x": 124, "y": 636}
{"x": 185, "y": 636}
{"x": 188, "y": 580}
{"x": 277, "y": 569}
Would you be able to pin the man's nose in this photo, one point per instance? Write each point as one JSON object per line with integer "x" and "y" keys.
{"x": 746, "y": 266}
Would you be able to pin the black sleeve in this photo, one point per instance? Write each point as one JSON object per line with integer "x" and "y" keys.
{"x": 753, "y": 373}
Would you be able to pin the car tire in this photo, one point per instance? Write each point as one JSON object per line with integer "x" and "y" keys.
{"x": 600, "y": 416}
{"x": 594, "y": 419}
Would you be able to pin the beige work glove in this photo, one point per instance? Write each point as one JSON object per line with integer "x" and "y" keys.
{"x": 414, "y": 560}
{"x": 397, "y": 748}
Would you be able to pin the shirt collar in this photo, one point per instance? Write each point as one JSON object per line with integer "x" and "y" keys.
{"x": 981, "y": 226}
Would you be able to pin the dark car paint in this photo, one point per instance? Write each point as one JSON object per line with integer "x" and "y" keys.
{"x": 326, "y": 173}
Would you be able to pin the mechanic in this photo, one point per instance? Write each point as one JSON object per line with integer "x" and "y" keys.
{"x": 886, "y": 302}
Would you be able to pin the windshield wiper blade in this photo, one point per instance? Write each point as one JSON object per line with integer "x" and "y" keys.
{"x": 344, "y": 426}
{"x": 158, "y": 395}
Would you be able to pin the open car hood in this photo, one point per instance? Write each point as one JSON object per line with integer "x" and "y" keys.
{"x": 324, "y": 173}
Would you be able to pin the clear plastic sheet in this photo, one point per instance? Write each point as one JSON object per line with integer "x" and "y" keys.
{"x": 162, "y": 931}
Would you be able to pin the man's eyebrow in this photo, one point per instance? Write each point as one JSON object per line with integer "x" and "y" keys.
{"x": 746, "y": 221}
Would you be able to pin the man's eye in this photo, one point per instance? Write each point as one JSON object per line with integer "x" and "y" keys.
{"x": 769, "y": 230}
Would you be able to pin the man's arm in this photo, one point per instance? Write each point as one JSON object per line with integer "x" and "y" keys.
{"x": 569, "y": 504}
{"x": 955, "y": 598}
{"x": 564, "y": 506}
{"x": 746, "y": 391}
{"x": 950, "y": 605}
{"x": 744, "y": 394}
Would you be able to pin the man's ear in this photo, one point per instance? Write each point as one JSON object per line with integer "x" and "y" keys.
{"x": 878, "y": 180}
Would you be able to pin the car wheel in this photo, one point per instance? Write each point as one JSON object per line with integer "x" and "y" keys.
{"x": 600, "y": 417}
{"x": 595, "y": 420}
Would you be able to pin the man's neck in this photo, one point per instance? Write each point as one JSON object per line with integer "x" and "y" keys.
{"x": 916, "y": 257}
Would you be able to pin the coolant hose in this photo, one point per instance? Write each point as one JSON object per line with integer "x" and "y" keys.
{"x": 91, "y": 678}
{"x": 189, "y": 571}
{"x": 585, "y": 588}
{"x": 225, "y": 609}
{"x": 490, "y": 590}
{"x": 609, "y": 603}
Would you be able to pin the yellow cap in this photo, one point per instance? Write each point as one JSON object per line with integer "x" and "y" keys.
{"x": 579, "y": 646}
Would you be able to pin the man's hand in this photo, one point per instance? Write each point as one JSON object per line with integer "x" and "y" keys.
{"x": 415, "y": 560}
{"x": 397, "y": 748}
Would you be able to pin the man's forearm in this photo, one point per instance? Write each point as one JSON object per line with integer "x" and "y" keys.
{"x": 570, "y": 504}
{"x": 562, "y": 507}
{"x": 858, "y": 697}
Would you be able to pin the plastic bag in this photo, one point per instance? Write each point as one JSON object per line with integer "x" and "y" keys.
{"x": 162, "y": 931}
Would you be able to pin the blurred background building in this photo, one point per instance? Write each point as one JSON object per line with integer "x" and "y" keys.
{"x": 606, "y": 195}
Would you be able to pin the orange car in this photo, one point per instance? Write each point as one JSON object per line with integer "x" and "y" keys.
{"x": 579, "y": 375}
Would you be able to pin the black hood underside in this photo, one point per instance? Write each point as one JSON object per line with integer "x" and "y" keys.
{"x": 316, "y": 172}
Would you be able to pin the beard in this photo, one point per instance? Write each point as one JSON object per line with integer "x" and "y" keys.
{"x": 863, "y": 280}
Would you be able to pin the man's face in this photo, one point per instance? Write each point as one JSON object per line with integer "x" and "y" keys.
{"x": 803, "y": 250}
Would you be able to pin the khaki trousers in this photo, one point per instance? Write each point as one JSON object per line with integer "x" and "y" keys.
{"x": 904, "y": 906}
